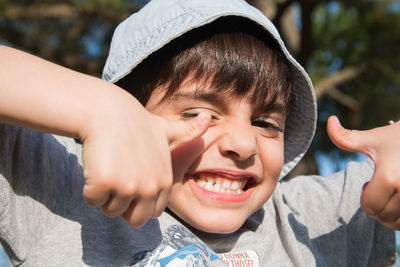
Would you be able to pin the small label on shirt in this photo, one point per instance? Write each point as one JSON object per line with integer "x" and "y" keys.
{"x": 247, "y": 258}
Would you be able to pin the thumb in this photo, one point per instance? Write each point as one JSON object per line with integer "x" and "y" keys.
{"x": 181, "y": 132}
{"x": 350, "y": 140}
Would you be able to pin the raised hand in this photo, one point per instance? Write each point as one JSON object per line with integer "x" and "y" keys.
{"x": 380, "y": 197}
{"x": 126, "y": 149}
{"x": 127, "y": 159}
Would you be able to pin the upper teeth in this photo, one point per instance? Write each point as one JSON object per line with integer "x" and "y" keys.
{"x": 222, "y": 185}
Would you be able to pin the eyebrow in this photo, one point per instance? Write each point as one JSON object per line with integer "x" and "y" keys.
{"x": 210, "y": 98}
{"x": 275, "y": 106}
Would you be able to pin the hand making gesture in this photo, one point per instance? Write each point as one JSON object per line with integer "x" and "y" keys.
{"x": 380, "y": 197}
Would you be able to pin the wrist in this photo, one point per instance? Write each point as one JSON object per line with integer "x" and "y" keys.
{"x": 110, "y": 108}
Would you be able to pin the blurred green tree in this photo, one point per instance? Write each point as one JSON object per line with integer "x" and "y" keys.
{"x": 72, "y": 33}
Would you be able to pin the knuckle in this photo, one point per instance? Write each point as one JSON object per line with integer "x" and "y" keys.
{"x": 159, "y": 209}
{"x": 157, "y": 214}
{"x": 134, "y": 221}
{"x": 104, "y": 182}
{"x": 127, "y": 190}
{"x": 91, "y": 202}
{"x": 109, "y": 213}
{"x": 151, "y": 190}
{"x": 370, "y": 210}
{"x": 385, "y": 218}
{"x": 140, "y": 223}
{"x": 166, "y": 183}
{"x": 91, "y": 198}
{"x": 87, "y": 196}
{"x": 101, "y": 178}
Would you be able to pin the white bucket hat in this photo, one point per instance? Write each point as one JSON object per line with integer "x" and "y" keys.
{"x": 161, "y": 21}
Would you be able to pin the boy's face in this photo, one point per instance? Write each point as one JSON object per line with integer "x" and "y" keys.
{"x": 240, "y": 164}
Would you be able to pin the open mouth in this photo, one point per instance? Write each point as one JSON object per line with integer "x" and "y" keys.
{"x": 220, "y": 184}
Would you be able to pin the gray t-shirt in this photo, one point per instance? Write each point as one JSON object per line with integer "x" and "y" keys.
{"x": 44, "y": 220}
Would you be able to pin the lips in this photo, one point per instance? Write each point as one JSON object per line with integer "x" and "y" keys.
{"x": 224, "y": 185}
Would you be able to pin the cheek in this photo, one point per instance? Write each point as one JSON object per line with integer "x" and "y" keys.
{"x": 271, "y": 154}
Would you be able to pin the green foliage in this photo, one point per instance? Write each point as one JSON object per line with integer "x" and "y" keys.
{"x": 362, "y": 34}
{"x": 74, "y": 33}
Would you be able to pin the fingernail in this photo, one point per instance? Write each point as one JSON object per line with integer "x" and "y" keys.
{"x": 203, "y": 117}
{"x": 337, "y": 120}
{"x": 334, "y": 117}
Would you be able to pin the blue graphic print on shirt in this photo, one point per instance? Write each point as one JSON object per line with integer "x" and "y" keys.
{"x": 180, "y": 244}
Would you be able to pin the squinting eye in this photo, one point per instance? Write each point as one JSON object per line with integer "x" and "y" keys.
{"x": 266, "y": 125}
{"x": 193, "y": 114}
{"x": 189, "y": 115}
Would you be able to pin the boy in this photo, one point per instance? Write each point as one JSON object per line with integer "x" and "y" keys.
{"x": 228, "y": 112}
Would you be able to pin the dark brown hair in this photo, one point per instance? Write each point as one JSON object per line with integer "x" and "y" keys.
{"x": 232, "y": 54}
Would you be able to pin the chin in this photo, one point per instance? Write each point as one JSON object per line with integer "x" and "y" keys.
{"x": 220, "y": 229}
{"x": 217, "y": 222}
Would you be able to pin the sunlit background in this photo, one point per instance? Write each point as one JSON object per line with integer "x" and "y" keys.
{"x": 349, "y": 48}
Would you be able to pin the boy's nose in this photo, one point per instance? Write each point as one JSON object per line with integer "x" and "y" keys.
{"x": 239, "y": 143}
